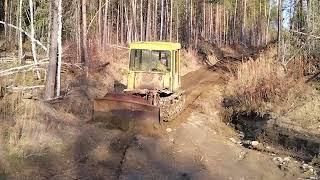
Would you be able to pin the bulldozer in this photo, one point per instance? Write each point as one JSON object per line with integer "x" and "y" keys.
{"x": 153, "y": 94}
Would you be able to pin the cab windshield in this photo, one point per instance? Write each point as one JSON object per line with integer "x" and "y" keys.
{"x": 150, "y": 61}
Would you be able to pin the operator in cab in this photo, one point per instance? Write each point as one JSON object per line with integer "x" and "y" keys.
{"x": 162, "y": 64}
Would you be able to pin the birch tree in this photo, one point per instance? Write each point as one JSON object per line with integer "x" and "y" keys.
{"x": 20, "y": 33}
{"x": 33, "y": 44}
{"x": 58, "y": 79}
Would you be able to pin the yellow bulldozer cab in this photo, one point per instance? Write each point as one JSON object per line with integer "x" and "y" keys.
{"x": 154, "y": 66}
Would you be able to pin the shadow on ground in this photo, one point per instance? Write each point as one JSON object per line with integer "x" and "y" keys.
{"x": 111, "y": 154}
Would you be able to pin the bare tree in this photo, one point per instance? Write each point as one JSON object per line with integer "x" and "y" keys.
{"x": 85, "y": 58}
{"x": 105, "y": 25}
{"x": 52, "y": 68}
{"x": 20, "y": 33}
{"x": 162, "y": 20}
{"x": 59, "y": 49}
{"x": 148, "y": 27}
{"x": 279, "y": 29}
{"x": 33, "y": 44}
{"x": 171, "y": 19}
{"x": 5, "y": 16}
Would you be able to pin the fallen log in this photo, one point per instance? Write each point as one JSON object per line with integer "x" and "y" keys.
{"x": 24, "y": 88}
{"x": 30, "y": 67}
{"x": 17, "y": 69}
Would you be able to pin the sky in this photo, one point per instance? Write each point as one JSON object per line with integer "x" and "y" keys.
{"x": 287, "y": 9}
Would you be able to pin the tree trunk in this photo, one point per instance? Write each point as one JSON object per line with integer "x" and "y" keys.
{"x": 268, "y": 23}
{"x": 155, "y": 21}
{"x": 234, "y": 22}
{"x": 162, "y": 19}
{"x": 122, "y": 23}
{"x": 279, "y": 29}
{"x": 100, "y": 24}
{"x": 191, "y": 23}
{"x": 79, "y": 34}
{"x": 59, "y": 49}
{"x": 85, "y": 58}
{"x": 10, "y": 22}
{"x": 49, "y": 28}
{"x": 171, "y": 14}
{"x": 118, "y": 19}
{"x": 141, "y": 21}
{"x": 5, "y": 17}
{"x": 20, "y": 33}
{"x": 177, "y": 24}
{"x": 52, "y": 68}
{"x": 33, "y": 44}
{"x": 105, "y": 26}
{"x": 204, "y": 20}
{"x": 243, "y": 29}
{"x": 148, "y": 27}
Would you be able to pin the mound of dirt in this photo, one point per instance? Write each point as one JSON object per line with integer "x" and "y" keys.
{"x": 190, "y": 61}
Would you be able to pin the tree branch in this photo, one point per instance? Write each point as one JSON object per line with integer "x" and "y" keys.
{"x": 94, "y": 17}
{"x": 306, "y": 34}
{"x": 26, "y": 33}
{"x": 23, "y": 88}
{"x": 15, "y": 69}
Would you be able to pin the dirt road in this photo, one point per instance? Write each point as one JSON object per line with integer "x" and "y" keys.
{"x": 196, "y": 145}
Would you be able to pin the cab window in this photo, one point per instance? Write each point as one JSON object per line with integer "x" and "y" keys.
{"x": 146, "y": 60}
{"x": 160, "y": 61}
{"x": 139, "y": 60}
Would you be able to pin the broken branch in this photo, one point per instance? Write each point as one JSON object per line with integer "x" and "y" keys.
{"x": 26, "y": 33}
{"x": 23, "y": 88}
{"x": 306, "y": 34}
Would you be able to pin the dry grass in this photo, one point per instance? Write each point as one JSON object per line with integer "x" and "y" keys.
{"x": 264, "y": 87}
{"x": 28, "y": 126}
{"x": 10, "y": 106}
{"x": 32, "y": 127}
{"x": 307, "y": 115}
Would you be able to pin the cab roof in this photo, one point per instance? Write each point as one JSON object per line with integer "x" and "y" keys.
{"x": 155, "y": 45}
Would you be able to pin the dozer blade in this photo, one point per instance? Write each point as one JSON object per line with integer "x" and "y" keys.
{"x": 126, "y": 112}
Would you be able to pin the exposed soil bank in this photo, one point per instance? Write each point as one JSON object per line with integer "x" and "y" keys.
{"x": 303, "y": 145}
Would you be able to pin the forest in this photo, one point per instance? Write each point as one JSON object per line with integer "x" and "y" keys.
{"x": 118, "y": 22}
{"x": 245, "y": 64}
{"x": 191, "y": 22}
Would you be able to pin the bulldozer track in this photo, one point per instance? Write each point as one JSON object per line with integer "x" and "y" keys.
{"x": 171, "y": 108}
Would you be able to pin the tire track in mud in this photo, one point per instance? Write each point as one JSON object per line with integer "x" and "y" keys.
{"x": 195, "y": 84}
{"x": 123, "y": 159}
